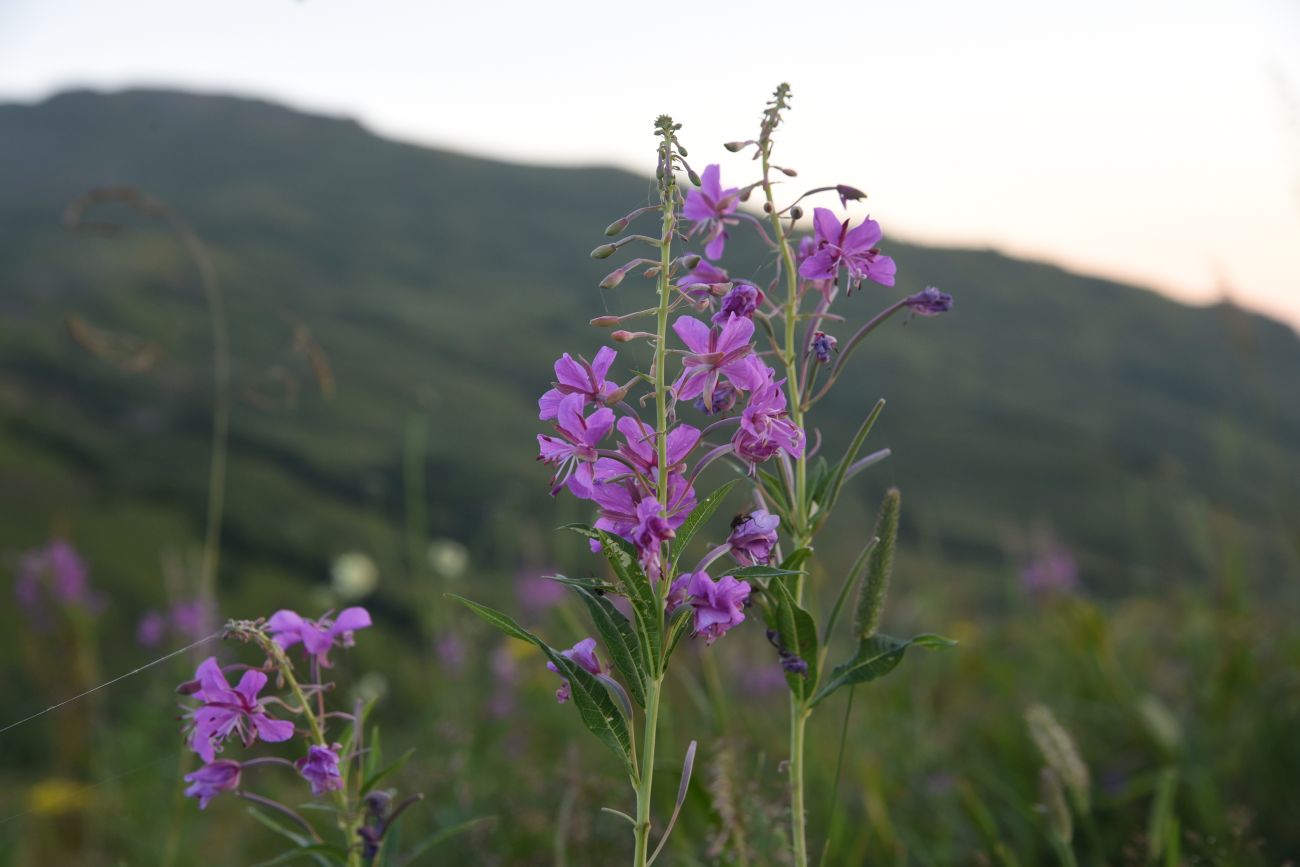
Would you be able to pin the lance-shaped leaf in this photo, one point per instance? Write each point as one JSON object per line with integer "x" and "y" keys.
{"x": 875, "y": 657}
{"x": 760, "y": 575}
{"x": 696, "y": 519}
{"x": 678, "y": 626}
{"x": 599, "y": 713}
{"x": 620, "y": 639}
{"x": 640, "y": 592}
{"x": 797, "y": 633}
{"x": 851, "y": 580}
{"x": 835, "y": 480}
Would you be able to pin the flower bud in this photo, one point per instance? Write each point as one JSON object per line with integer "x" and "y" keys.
{"x": 767, "y": 207}
{"x": 691, "y": 261}
{"x": 744, "y": 193}
{"x": 848, "y": 193}
{"x": 823, "y": 345}
{"x": 789, "y": 173}
{"x": 605, "y": 321}
{"x": 613, "y": 278}
{"x": 796, "y": 213}
{"x": 628, "y": 336}
{"x": 735, "y": 146}
{"x": 694, "y": 178}
{"x": 681, "y": 150}
{"x": 604, "y": 251}
{"x": 617, "y": 226}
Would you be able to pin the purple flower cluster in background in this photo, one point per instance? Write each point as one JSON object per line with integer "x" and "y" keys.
{"x": 51, "y": 579}
{"x": 187, "y": 620}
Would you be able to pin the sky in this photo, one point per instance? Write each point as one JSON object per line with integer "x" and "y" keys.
{"x": 1155, "y": 141}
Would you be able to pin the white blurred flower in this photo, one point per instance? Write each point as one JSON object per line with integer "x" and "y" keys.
{"x": 372, "y": 686}
{"x": 448, "y": 557}
{"x": 354, "y": 575}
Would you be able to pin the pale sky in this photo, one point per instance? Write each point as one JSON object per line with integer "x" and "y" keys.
{"x": 1156, "y": 141}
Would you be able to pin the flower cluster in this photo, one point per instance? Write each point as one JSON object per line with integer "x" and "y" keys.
{"x": 222, "y": 714}
{"x": 54, "y": 579}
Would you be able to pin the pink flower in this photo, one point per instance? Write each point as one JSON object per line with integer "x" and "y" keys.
{"x": 584, "y": 654}
{"x": 715, "y": 353}
{"x": 752, "y": 537}
{"x": 855, "y": 249}
{"x": 321, "y": 769}
{"x": 574, "y": 450}
{"x": 710, "y": 208}
{"x": 227, "y": 711}
{"x": 211, "y": 780}
{"x": 765, "y": 427}
{"x": 317, "y": 636}
{"x": 579, "y": 377}
{"x": 717, "y": 604}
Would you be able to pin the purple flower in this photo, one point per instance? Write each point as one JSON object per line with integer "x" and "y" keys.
{"x": 742, "y": 300}
{"x": 1052, "y": 569}
{"x": 752, "y": 537}
{"x": 321, "y": 769}
{"x": 580, "y": 377}
{"x": 151, "y": 629}
{"x": 55, "y": 573}
{"x": 823, "y": 345}
{"x": 710, "y": 208}
{"x": 574, "y": 450}
{"x": 765, "y": 427}
{"x": 714, "y": 353}
{"x": 639, "y": 449}
{"x": 724, "y": 400}
{"x": 211, "y": 780}
{"x": 317, "y": 636}
{"x": 192, "y": 618}
{"x": 623, "y": 512}
{"x": 451, "y": 653}
{"x": 855, "y": 249}
{"x": 717, "y": 604}
{"x": 227, "y": 711}
{"x": 701, "y": 281}
{"x": 807, "y": 247}
{"x": 584, "y": 654}
{"x": 929, "y": 302}
{"x": 537, "y": 593}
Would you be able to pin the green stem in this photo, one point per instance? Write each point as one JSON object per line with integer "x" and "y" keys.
{"x": 643, "y": 791}
{"x": 798, "y": 721}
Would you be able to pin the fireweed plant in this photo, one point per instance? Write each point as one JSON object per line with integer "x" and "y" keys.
{"x": 332, "y": 758}
{"x": 736, "y": 369}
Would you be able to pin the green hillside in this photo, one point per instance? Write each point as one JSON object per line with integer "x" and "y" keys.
{"x": 441, "y": 286}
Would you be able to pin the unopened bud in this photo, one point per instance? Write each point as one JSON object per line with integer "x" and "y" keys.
{"x": 628, "y": 336}
{"x": 605, "y": 321}
{"x": 691, "y": 261}
{"x": 735, "y": 146}
{"x": 796, "y": 213}
{"x": 695, "y": 179}
{"x": 767, "y": 208}
{"x": 848, "y": 193}
{"x": 744, "y": 194}
{"x": 651, "y": 272}
{"x": 615, "y": 227}
{"x": 189, "y": 687}
{"x": 789, "y": 173}
{"x": 604, "y": 251}
{"x": 613, "y": 278}
{"x": 681, "y": 150}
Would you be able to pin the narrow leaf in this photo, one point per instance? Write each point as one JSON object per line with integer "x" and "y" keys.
{"x": 620, "y": 639}
{"x": 836, "y": 479}
{"x": 875, "y": 657}
{"x": 850, "y": 581}
{"x": 687, "y": 766}
{"x": 373, "y": 779}
{"x": 797, "y": 633}
{"x": 696, "y": 519}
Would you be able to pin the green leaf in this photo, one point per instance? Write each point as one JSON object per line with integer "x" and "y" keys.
{"x": 595, "y": 585}
{"x": 798, "y": 635}
{"x": 795, "y": 560}
{"x": 373, "y": 779}
{"x": 441, "y": 836}
{"x": 875, "y": 657}
{"x": 680, "y": 625}
{"x": 599, "y": 713}
{"x": 836, "y": 478}
{"x": 696, "y": 519}
{"x": 645, "y": 601}
{"x": 333, "y": 853}
{"x": 625, "y": 647}
{"x": 760, "y": 575}
{"x": 854, "y": 575}
{"x": 774, "y": 488}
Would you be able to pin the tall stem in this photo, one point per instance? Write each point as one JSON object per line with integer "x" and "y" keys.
{"x": 643, "y": 791}
{"x": 798, "y": 819}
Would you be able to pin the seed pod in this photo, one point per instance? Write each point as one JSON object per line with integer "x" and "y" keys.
{"x": 871, "y": 598}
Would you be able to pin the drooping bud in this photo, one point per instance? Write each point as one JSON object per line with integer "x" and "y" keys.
{"x": 613, "y": 278}
{"x": 629, "y": 336}
{"x": 929, "y": 302}
{"x": 604, "y": 251}
{"x": 796, "y": 213}
{"x": 823, "y": 345}
{"x": 606, "y": 321}
{"x": 789, "y": 173}
{"x": 694, "y": 178}
{"x": 691, "y": 261}
{"x": 848, "y": 194}
{"x": 682, "y": 150}
{"x": 736, "y": 146}
{"x": 871, "y": 599}
{"x": 617, "y": 226}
